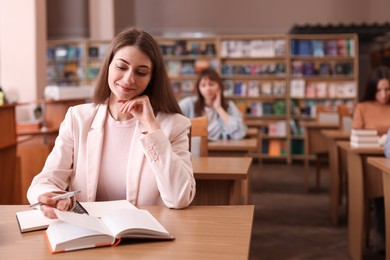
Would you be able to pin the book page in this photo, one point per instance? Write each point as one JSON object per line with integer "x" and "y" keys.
{"x": 100, "y": 208}
{"x": 83, "y": 221}
{"x": 31, "y": 220}
{"x": 64, "y": 236}
{"x": 122, "y": 221}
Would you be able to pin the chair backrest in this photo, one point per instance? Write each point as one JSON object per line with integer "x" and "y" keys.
{"x": 345, "y": 118}
{"x": 199, "y": 127}
{"x": 326, "y": 115}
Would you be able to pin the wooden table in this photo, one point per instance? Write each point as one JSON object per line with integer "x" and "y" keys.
{"x": 201, "y": 232}
{"x": 315, "y": 142}
{"x": 335, "y": 170}
{"x": 242, "y": 147}
{"x": 220, "y": 180}
{"x": 364, "y": 183}
{"x": 383, "y": 164}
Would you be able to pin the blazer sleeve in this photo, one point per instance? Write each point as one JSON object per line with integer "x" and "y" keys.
{"x": 237, "y": 129}
{"x": 170, "y": 159}
{"x": 56, "y": 173}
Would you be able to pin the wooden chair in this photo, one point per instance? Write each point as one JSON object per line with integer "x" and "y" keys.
{"x": 199, "y": 127}
{"x": 345, "y": 118}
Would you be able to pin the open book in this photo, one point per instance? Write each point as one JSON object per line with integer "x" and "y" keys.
{"x": 79, "y": 231}
{"x": 33, "y": 219}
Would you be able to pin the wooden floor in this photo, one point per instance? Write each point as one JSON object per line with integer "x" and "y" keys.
{"x": 292, "y": 224}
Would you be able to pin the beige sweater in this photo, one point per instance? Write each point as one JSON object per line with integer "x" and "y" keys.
{"x": 372, "y": 115}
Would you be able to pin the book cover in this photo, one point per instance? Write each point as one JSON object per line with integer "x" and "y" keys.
{"x": 266, "y": 88}
{"x": 93, "y": 52}
{"x": 279, "y": 87}
{"x": 324, "y": 69}
{"x": 267, "y": 108}
{"x": 304, "y": 48}
{"x": 331, "y": 48}
{"x": 318, "y": 48}
{"x": 297, "y": 88}
{"x": 253, "y": 88}
{"x": 275, "y": 148}
{"x": 228, "y": 87}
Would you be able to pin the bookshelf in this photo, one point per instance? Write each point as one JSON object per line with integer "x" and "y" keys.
{"x": 254, "y": 71}
{"x": 74, "y": 62}
{"x": 323, "y": 70}
{"x": 276, "y": 80}
{"x": 185, "y": 57}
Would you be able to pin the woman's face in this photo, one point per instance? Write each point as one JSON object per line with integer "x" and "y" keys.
{"x": 129, "y": 73}
{"x": 383, "y": 91}
{"x": 208, "y": 88}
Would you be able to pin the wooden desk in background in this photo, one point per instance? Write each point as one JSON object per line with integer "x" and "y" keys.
{"x": 242, "y": 147}
{"x": 337, "y": 166}
{"x": 33, "y": 148}
{"x": 383, "y": 164}
{"x": 9, "y": 162}
{"x": 201, "y": 232}
{"x": 315, "y": 143}
{"x": 219, "y": 180}
{"x": 34, "y": 151}
{"x": 364, "y": 183}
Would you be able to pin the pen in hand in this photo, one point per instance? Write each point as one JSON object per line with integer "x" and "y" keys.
{"x": 58, "y": 197}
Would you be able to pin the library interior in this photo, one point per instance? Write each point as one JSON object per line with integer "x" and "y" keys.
{"x": 309, "y": 81}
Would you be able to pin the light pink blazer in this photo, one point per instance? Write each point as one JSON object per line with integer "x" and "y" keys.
{"x": 159, "y": 173}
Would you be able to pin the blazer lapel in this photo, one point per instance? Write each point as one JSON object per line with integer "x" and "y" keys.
{"x": 94, "y": 151}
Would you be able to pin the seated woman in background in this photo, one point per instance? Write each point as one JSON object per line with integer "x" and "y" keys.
{"x": 373, "y": 109}
{"x": 225, "y": 119}
{"x": 372, "y": 112}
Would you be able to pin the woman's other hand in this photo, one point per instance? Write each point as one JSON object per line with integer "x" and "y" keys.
{"x": 48, "y": 204}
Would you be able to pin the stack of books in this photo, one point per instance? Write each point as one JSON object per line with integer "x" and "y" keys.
{"x": 367, "y": 138}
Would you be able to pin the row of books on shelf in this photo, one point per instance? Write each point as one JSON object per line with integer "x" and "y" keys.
{"x": 300, "y": 88}
{"x": 275, "y": 129}
{"x": 254, "y": 69}
{"x": 279, "y": 147}
{"x": 184, "y": 87}
{"x": 68, "y": 52}
{"x": 257, "y": 108}
{"x": 309, "y": 68}
{"x": 97, "y": 52}
{"x": 295, "y": 128}
{"x": 63, "y": 53}
{"x": 253, "y": 48}
{"x": 309, "y": 107}
{"x": 67, "y": 71}
{"x": 254, "y": 88}
{"x": 188, "y": 67}
{"x": 274, "y": 147}
{"x": 184, "y": 47}
{"x": 321, "y": 48}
